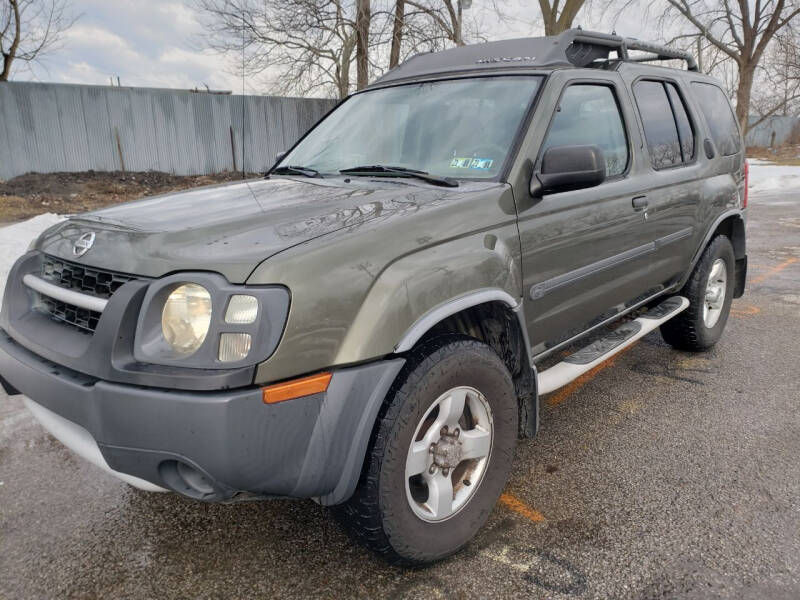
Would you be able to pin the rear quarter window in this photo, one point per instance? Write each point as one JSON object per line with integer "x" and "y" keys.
{"x": 719, "y": 116}
{"x": 660, "y": 129}
{"x": 667, "y": 127}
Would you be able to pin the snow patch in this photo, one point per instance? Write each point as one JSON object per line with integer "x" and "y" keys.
{"x": 15, "y": 239}
{"x": 765, "y": 177}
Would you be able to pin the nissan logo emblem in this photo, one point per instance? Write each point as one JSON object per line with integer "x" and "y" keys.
{"x": 83, "y": 244}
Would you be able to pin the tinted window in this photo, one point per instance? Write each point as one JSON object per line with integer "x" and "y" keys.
{"x": 660, "y": 130}
{"x": 685, "y": 131}
{"x": 719, "y": 116}
{"x": 589, "y": 115}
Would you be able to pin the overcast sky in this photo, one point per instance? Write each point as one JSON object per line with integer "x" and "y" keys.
{"x": 155, "y": 43}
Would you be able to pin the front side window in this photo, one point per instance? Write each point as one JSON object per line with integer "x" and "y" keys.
{"x": 462, "y": 128}
{"x": 719, "y": 116}
{"x": 667, "y": 129}
{"x": 588, "y": 114}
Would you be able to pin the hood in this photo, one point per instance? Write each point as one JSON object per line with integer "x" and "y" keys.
{"x": 228, "y": 228}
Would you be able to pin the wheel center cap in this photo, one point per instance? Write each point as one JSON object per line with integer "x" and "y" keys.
{"x": 447, "y": 452}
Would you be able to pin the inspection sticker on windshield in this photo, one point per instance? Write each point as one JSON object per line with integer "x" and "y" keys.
{"x": 471, "y": 163}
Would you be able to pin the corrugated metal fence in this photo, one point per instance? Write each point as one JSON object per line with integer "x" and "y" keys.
{"x": 774, "y": 131}
{"x": 55, "y": 127}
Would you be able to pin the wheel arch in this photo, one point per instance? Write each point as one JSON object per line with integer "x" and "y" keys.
{"x": 731, "y": 224}
{"x": 497, "y": 319}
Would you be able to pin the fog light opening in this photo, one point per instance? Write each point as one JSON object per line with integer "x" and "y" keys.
{"x": 186, "y": 480}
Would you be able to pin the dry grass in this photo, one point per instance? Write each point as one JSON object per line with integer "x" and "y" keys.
{"x": 68, "y": 193}
{"x": 783, "y": 155}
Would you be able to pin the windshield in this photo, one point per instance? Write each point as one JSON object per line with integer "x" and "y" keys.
{"x": 462, "y": 128}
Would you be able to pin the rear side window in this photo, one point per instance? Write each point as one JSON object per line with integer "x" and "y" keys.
{"x": 588, "y": 114}
{"x": 667, "y": 129}
{"x": 685, "y": 131}
{"x": 719, "y": 116}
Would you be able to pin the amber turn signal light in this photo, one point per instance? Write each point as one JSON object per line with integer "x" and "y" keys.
{"x": 289, "y": 390}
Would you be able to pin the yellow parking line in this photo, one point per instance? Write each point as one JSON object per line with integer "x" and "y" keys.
{"x": 518, "y": 506}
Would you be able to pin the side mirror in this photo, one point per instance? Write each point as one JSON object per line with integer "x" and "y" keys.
{"x": 569, "y": 168}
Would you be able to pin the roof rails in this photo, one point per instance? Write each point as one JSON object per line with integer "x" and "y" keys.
{"x": 572, "y": 48}
{"x": 594, "y": 45}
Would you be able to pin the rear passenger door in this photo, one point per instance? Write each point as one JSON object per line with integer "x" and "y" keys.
{"x": 585, "y": 253}
{"x": 669, "y": 203}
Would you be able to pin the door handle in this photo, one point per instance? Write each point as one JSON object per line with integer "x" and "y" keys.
{"x": 639, "y": 203}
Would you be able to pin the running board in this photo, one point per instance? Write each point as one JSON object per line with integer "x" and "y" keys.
{"x": 600, "y": 350}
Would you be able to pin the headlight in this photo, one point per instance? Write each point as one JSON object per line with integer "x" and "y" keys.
{"x": 186, "y": 318}
{"x": 200, "y": 320}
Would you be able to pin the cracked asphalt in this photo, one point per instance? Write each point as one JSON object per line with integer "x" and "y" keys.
{"x": 662, "y": 475}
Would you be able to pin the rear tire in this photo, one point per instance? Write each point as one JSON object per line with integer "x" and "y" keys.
{"x": 451, "y": 380}
{"x": 710, "y": 292}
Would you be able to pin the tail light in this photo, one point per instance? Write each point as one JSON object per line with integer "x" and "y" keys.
{"x": 746, "y": 183}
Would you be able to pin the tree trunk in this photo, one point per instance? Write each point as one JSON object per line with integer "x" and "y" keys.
{"x": 6, "y": 67}
{"x": 343, "y": 70}
{"x": 8, "y": 57}
{"x": 743, "y": 90}
{"x": 457, "y": 26}
{"x": 362, "y": 43}
{"x": 555, "y": 23}
{"x": 397, "y": 33}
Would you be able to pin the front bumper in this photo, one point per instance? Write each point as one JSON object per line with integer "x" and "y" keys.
{"x": 211, "y": 445}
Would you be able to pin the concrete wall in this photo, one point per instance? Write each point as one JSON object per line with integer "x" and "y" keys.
{"x": 48, "y": 127}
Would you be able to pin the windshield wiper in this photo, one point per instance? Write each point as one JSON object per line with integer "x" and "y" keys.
{"x": 400, "y": 172}
{"x": 296, "y": 170}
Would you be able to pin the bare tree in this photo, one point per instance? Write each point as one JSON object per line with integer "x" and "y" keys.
{"x": 363, "y": 19}
{"x": 397, "y": 32}
{"x": 559, "y": 18}
{"x": 777, "y": 89}
{"x": 302, "y": 46}
{"x": 29, "y": 29}
{"x": 740, "y": 31}
{"x": 446, "y": 15}
{"x": 311, "y": 46}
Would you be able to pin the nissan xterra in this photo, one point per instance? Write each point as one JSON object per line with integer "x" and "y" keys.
{"x": 373, "y": 323}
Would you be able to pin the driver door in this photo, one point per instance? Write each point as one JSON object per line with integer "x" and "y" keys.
{"x": 585, "y": 253}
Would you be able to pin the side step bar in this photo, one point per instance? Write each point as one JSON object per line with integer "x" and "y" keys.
{"x": 600, "y": 350}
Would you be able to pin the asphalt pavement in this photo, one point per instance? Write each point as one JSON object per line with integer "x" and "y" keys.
{"x": 661, "y": 474}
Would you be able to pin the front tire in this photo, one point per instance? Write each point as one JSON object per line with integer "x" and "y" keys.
{"x": 441, "y": 453}
{"x": 710, "y": 292}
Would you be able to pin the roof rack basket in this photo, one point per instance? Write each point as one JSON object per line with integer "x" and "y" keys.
{"x": 584, "y": 47}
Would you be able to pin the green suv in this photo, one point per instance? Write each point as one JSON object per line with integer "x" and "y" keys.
{"x": 372, "y": 324}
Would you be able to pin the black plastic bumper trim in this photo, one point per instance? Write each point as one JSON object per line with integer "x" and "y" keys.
{"x": 311, "y": 447}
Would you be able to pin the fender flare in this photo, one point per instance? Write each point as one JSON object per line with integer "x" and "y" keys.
{"x": 736, "y": 212}
{"x": 455, "y": 305}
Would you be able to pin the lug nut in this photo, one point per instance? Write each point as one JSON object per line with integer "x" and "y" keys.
{"x": 443, "y": 431}
{"x": 445, "y": 472}
{"x": 432, "y": 470}
{"x": 432, "y": 448}
{"x": 456, "y": 432}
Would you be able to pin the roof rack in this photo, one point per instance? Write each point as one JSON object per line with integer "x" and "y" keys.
{"x": 622, "y": 45}
{"x": 572, "y": 48}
